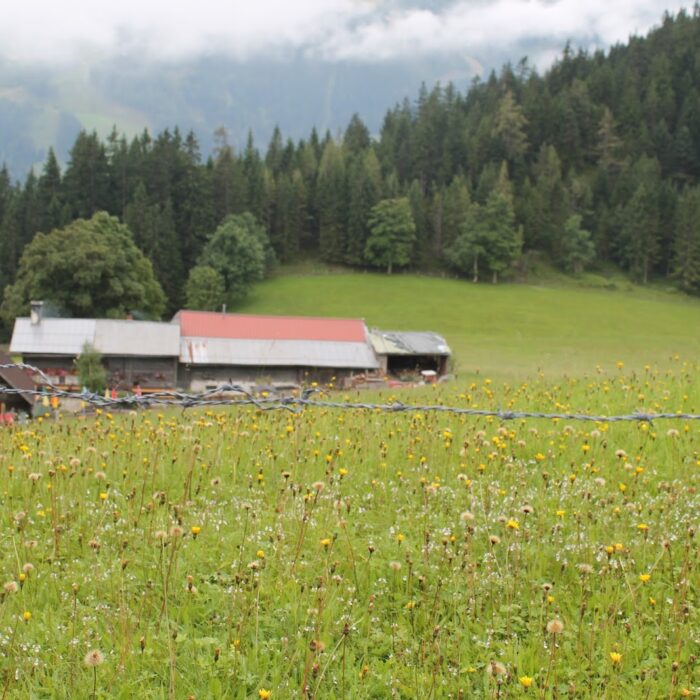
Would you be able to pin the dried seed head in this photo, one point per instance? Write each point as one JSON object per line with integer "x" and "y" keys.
{"x": 496, "y": 668}
{"x": 94, "y": 658}
{"x": 555, "y": 626}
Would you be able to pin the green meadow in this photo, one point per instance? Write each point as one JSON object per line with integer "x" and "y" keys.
{"x": 502, "y": 330}
{"x": 357, "y": 555}
{"x": 238, "y": 554}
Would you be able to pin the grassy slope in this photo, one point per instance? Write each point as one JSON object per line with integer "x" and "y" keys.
{"x": 505, "y": 329}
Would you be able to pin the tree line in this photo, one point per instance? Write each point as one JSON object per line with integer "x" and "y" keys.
{"x": 594, "y": 162}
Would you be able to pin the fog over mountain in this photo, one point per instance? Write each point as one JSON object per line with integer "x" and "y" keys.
{"x": 249, "y": 66}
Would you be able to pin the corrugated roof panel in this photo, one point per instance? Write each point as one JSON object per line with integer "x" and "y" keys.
{"x": 143, "y": 338}
{"x": 15, "y": 377}
{"x": 52, "y": 336}
{"x": 203, "y": 324}
{"x": 277, "y": 353}
{"x": 67, "y": 336}
{"x": 408, "y": 343}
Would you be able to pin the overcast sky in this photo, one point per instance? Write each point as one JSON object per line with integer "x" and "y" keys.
{"x": 41, "y": 32}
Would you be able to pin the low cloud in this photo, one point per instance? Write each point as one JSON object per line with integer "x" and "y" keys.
{"x": 333, "y": 30}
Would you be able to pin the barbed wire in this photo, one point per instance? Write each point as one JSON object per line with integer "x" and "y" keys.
{"x": 220, "y": 396}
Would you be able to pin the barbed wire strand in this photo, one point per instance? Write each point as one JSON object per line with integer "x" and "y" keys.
{"x": 217, "y": 396}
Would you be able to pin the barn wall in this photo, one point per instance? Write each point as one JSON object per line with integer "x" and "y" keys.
{"x": 202, "y": 378}
{"x": 149, "y": 372}
{"x": 122, "y": 372}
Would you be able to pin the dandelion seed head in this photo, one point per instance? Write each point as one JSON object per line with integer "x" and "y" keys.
{"x": 555, "y": 626}
{"x": 496, "y": 668}
{"x": 94, "y": 658}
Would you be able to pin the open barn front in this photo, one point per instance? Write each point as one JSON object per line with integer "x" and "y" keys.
{"x": 415, "y": 364}
{"x": 405, "y": 354}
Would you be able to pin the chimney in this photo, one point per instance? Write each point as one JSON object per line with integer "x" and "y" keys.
{"x": 35, "y": 309}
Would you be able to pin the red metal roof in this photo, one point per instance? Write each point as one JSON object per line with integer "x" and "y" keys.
{"x": 211, "y": 324}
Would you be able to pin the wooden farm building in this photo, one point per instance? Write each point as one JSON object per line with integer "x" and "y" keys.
{"x": 18, "y": 380}
{"x": 133, "y": 352}
{"x": 217, "y": 348}
{"x": 410, "y": 352}
{"x": 200, "y": 350}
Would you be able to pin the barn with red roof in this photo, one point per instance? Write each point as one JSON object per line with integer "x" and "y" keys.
{"x": 219, "y": 347}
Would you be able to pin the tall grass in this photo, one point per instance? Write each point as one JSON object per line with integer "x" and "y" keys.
{"x": 327, "y": 554}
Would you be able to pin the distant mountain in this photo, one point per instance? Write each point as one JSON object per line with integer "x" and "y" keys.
{"x": 38, "y": 110}
{"x": 43, "y": 108}
{"x": 311, "y": 64}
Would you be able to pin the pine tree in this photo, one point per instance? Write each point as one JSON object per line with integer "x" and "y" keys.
{"x": 686, "y": 247}
{"x": 290, "y": 207}
{"x": 121, "y": 175}
{"x": 468, "y": 249}
{"x": 10, "y": 237}
{"x": 577, "y": 245}
{"x": 86, "y": 182}
{"x": 49, "y": 195}
{"x": 510, "y": 128}
{"x": 456, "y": 211}
{"x": 331, "y": 202}
{"x": 364, "y": 191}
{"x": 502, "y": 239}
{"x": 545, "y": 205}
{"x": 640, "y": 232}
{"x": 609, "y": 144}
{"x": 154, "y": 232}
{"x": 227, "y": 179}
{"x": 392, "y": 233}
{"x": 274, "y": 158}
{"x": 356, "y": 139}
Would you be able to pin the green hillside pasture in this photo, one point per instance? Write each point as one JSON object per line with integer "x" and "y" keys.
{"x": 503, "y": 329}
{"x": 242, "y": 555}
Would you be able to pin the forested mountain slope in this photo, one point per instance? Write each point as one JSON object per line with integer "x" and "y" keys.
{"x": 595, "y": 161}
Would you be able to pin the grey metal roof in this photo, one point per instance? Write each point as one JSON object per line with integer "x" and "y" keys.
{"x": 408, "y": 343}
{"x": 67, "y": 336}
{"x": 277, "y": 353}
{"x": 52, "y": 336}
{"x": 145, "y": 338}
